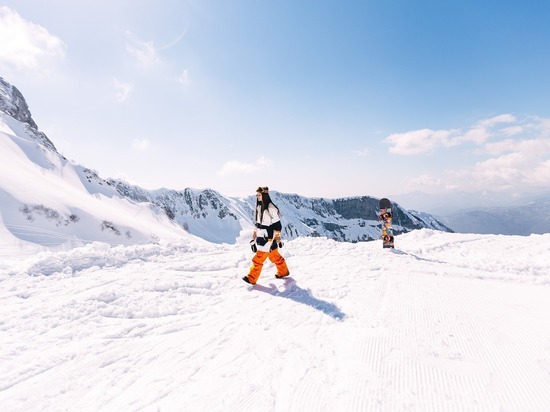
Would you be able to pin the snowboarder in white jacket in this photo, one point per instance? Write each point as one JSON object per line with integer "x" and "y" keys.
{"x": 267, "y": 237}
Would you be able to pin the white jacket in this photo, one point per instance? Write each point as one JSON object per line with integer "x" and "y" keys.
{"x": 271, "y": 215}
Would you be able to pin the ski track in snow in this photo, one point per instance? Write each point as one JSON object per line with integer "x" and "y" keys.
{"x": 446, "y": 322}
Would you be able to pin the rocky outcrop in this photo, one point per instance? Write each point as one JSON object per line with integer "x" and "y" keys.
{"x": 13, "y": 104}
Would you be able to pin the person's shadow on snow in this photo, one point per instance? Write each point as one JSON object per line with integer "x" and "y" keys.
{"x": 291, "y": 290}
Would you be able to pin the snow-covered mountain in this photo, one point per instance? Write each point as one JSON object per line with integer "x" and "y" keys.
{"x": 486, "y": 212}
{"x": 45, "y": 199}
{"x": 215, "y": 217}
{"x": 529, "y": 218}
{"x": 450, "y": 202}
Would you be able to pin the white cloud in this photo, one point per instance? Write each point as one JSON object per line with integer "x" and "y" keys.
{"x": 147, "y": 53}
{"x": 486, "y": 129}
{"x": 418, "y": 141}
{"x": 516, "y": 164}
{"x": 544, "y": 126}
{"x": 237, "y": 167}
{"x": 493, "y": 121}
{"x": 503, "y": 146}
{"x": 512, "y": 130}
{"x": 477, "y": 134}
{"x": 140, "y": 144}
{"x": 144, "y": 52}
{"x": 540, "y": 175}
{"x": 184, "y": 78}
{"x": 122, "y": 90}
{"x": 510, "y": 154}
{"x": 532, "y": 148}
{"x": 361, "y": 153}
{"x": 423, "y": 141}
{"x": 506, "y": 168}
{"x": 26, "y": 46}
{"x": 428, "y": 183}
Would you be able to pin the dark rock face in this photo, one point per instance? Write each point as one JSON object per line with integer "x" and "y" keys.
{"x": 357, "y": 208}
{"x": 13, "y": 104}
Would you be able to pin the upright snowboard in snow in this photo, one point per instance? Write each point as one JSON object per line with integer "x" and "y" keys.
{"x": 385, "y": 217}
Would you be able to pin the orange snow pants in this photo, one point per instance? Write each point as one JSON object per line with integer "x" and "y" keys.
{"x": 258, "y": 262}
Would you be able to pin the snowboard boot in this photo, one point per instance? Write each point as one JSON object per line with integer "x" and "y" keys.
{"x": 278, "y": 276}
{"x": 247, "y": 280}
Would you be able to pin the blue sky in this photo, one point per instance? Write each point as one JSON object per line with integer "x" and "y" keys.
{"x": 320, "y": 98}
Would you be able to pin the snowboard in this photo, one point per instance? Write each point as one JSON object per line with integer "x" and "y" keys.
{"x": 385, "y": 218}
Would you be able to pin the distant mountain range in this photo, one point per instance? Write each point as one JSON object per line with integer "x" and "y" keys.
{"x": 530, "y": 218}
{"x": 447, "y": 203}
{"x": 486, "y": 212}
{"x": 45, "y": 199}
{"x": 218, "y": 218}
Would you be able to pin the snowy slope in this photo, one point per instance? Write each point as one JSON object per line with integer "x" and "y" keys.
{"x": 449, "y": 322}
{"x": 49, "y": 201}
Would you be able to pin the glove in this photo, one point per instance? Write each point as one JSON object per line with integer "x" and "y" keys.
{"x": 277, "y": 238}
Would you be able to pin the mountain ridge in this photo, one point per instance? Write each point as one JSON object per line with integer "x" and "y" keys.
{"x": 78, "y": 194}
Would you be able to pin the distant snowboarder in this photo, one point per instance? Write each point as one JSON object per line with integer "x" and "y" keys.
{"x": 266, "y": 237}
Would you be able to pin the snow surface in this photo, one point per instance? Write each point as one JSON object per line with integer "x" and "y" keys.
{"x": 446, "y": 322}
